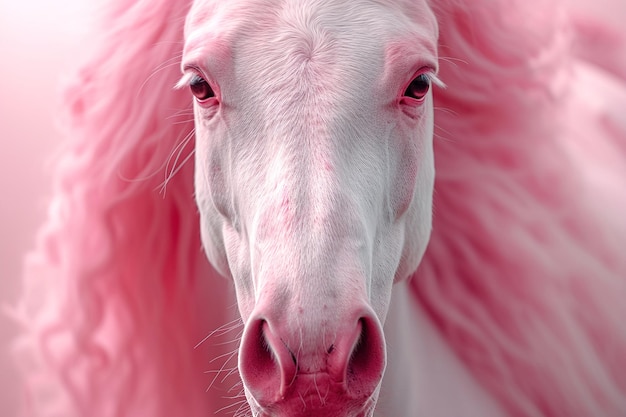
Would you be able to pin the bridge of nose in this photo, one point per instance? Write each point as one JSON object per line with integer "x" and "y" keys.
{"x": 309, "y": 256}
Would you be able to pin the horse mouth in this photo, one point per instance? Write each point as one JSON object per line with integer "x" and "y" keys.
{"x": 316, "y": 395}
{"x": 330, "y": 411}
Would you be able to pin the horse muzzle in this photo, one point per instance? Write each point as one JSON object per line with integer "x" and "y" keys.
{"x": 328, "y": 367}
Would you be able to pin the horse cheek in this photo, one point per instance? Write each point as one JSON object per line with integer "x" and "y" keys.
{"x": 403, "y": 183}
{"x": 210, "y": 195}
{"x": 404, "y": 188}
{"x": 411, "y": 199}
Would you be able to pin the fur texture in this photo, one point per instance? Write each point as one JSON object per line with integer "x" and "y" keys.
{"x": 524, "y": 275}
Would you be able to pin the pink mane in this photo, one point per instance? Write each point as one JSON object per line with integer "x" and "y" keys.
{"x": 524, "y": 275}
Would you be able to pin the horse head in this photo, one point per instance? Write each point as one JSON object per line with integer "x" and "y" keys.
{"x": 314, "y": 180}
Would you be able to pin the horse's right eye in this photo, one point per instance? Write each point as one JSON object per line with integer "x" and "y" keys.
{"x": 200, "y": 88}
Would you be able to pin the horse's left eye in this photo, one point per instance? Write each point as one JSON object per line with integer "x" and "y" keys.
{"x": 418, "y": 88}
{"x": 200, "y": 88}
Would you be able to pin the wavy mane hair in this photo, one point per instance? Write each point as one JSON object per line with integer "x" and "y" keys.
{"x": 524, "y": 276}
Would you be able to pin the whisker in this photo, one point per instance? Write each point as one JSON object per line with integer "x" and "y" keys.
{"x": 319, "y": 394}
{"x": 447, "y": 138}
{"x": 183, "y": 122}
{"x": 222, "y": 369}
{"x": 453, "y": 60}
{"x": 303, "y": 402}
{"x": 175, "y": 60}
{"x": 446, "y": 110}
{"x": 183, "y": 112}
{"x": 327, "y": 393}
{"x": 222, "y": 330}
{"x": 226, "y": 407}
{"x": 219, "y": 371}
{"x": 239, "y": 383}
{"x": 240, "y": 394}
{"x": 230, "y": 373}
{"x": 223, "y": 355}
{"x": 165, "y": 164}
{"x": 242, "y": 411}
{"x": 237, "y": 339}
{"x": 178, "y": 150}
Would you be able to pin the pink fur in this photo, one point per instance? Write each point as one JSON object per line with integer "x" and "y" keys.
{"x": 524, "y": 275}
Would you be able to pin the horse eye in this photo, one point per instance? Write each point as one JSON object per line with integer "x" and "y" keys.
{"x": 418, "y": 88}
{"x": 200, "y": 88}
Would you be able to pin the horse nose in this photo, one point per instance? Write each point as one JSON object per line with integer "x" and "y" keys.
{"x": 271, "y": 362}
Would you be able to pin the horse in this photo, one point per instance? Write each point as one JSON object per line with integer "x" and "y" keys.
{"x": 335, "y": 208}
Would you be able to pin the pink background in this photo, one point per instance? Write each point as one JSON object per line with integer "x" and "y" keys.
{"x": 39, "y": 39}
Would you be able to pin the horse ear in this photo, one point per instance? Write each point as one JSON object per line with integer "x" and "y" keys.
{"x": 116, "y": 292}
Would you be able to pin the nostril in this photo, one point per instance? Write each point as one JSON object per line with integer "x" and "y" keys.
{"x": 257, "y": 363}
{"x": 358, "y": 356}
{"x": 366, "y": 365}
{"x": 266, "y": 365}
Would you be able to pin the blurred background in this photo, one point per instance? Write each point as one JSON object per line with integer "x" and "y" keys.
{"x": 39, "y": 41}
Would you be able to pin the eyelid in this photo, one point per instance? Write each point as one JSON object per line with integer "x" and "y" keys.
{"x": 189, "y": 73}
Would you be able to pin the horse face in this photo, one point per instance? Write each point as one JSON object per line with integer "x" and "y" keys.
{"x": 314, "y": 177}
